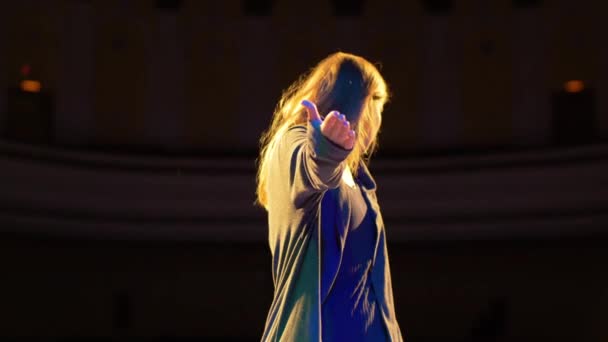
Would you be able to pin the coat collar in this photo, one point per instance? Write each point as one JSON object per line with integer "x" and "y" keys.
{"x": 365, "y": 177}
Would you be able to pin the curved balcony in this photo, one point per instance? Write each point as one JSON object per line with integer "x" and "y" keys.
{"x": 528, "y": 194}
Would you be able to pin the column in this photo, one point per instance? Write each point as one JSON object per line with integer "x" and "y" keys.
{"x": 602, "y": 89}
{"x": 164, "y": 108}
{"x": 259, "y": 89}
{"x": 74, "y": 112}
{"x": 439, "y": 96}
{"x": 3, "y": 68}
{"x": 531, "y": 118}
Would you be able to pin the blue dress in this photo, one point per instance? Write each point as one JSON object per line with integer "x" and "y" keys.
{"x": 350, "y": 312}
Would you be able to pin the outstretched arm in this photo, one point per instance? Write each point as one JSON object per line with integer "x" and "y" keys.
{"x": 316, "y": 153}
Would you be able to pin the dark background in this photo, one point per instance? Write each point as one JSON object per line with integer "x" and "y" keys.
{"x": 127, "y": 182}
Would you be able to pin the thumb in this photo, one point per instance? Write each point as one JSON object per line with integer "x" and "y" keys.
{"x": 313, "y": 113}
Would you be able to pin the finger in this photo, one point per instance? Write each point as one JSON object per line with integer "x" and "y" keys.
{"x": 341, "y": 130}
{"x": 311, "y": 109}
{"x": 351, "y": 135}
{"x": 349, "y": 142}
{"x": 347, "y": 125}
{"x": 338, "y": 127}
{"x": 334, "y": 114}
{"x": 339, "y": 117}
{"x": 345, "y": 137}
{"x": 347, "y": 133}
{"x": 343, "y": 126}
{"x": 335, "y": 118}
{"x": 329, "y": 123}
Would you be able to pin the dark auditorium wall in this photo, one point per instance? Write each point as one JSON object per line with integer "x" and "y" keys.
{"x": 207, "y": 75}
{"x": 204, "y": 78}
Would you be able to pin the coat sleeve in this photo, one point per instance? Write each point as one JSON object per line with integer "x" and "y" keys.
{"x": 315, "y": 163}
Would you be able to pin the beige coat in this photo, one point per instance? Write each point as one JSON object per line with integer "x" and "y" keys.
{"x": 309, "y": 210}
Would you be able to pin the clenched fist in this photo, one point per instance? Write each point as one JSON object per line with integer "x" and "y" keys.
{"x": 334, "y": 126}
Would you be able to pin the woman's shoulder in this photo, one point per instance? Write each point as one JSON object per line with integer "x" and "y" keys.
{"x": 290, "y": 138}
{"x": 294, "y": 133}
{"x": 298, "y": 127}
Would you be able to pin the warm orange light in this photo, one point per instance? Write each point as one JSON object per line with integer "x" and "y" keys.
{"x": 574, "y": 86}
{"x": 31, "y": 86}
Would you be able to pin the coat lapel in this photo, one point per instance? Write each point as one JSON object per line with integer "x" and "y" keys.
{"x": 378, "y": 271}
{"x": 369, "y": 193}
{"x": 335, "y": 214}
{"x": 334, "y": 219}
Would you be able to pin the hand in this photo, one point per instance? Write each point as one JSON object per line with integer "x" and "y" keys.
{"x": 334, "y": 126}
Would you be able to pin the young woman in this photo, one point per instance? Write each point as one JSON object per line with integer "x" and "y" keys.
{"x": 330, "y": 266}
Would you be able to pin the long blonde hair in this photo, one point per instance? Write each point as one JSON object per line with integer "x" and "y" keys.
{"x": 319, "y": 85}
